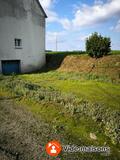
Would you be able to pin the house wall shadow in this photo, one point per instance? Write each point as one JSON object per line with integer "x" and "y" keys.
{"x": 54, "y": 60}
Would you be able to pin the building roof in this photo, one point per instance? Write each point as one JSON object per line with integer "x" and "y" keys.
{"x": 41, "y": 8}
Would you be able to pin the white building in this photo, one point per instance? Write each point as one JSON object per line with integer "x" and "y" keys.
{"x": 22, "y": 36}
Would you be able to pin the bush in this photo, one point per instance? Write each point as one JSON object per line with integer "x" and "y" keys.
{"x": 98, "y": 46}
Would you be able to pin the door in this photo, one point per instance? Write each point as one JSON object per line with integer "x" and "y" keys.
{"x": 9, "y": 67}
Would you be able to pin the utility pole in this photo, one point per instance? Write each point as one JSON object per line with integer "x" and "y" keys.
{"x": 56, "y": 42}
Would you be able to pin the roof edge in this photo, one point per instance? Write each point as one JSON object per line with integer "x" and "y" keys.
{"x": 42, "y": 8}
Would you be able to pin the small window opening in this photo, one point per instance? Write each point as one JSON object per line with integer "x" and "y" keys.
{"x": 18, "y": 43}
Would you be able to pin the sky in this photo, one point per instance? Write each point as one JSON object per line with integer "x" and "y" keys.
{"x": 70, "y": 22}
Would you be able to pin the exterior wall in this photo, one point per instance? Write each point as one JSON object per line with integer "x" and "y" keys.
{"x": 22, "y": 19}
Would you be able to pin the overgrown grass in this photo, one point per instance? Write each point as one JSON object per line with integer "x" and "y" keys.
{"x": 90, "y": 87}
{"x": 66, "y": 129}
{"x": 80, "y": 104}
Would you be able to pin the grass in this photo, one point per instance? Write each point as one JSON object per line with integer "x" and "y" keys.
{"x": 72, "y": 104}
{"x": 52, "y": 117}
{"x": 54, "y": 114}
{"x": 67, "y": 53}
{"x": 115, "y": 52}
{"x": 93, "y": 90}
{"x": 105, "y": 68}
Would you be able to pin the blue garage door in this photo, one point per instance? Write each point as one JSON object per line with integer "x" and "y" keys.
{"x": 9, "y": 67}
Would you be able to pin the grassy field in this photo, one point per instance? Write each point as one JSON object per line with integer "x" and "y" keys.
{"x": 66, "y": 106}
{"x": 115, "y": 52}
{"x": 79, "y": 52}
{"x": 88, "y": 87}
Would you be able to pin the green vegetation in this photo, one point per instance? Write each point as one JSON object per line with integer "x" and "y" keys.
{"x": 87, "y": 86}
{"x": 115, "y": 52}
{"x": 106, "y": 68}
{"x": 80, "y": 104}
{"x": 66, "y": 106}
{"x": 25, "y": 128}
{"x": 67, "y": 52}
{"x": 98, "y": 46}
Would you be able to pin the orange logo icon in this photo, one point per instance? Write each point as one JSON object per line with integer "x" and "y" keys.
{"x": 53, "y": 148}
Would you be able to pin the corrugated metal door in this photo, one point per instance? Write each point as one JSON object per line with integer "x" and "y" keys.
{"x": 9, "y": 67}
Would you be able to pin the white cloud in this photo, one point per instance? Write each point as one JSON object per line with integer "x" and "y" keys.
{"x": 65, "y": 23}
{"x": 46, "y": 3}
{"x": 55, "y": 38}
{"x": 117, "y": 27}
{"x": 51, "y": 36}
{"x": 48, "y": 7}
{"x": 83, "y": 38}
{"x": 52, "y": 15}
{"x": 84, "y": 15}
{"x": 97, "y": 2}
{"x": 99, "y": 12}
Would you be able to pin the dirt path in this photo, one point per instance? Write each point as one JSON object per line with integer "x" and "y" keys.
{"x": 21, "y": 134}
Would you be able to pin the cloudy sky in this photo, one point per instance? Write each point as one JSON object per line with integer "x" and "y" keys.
{"x": 71, "y": 21}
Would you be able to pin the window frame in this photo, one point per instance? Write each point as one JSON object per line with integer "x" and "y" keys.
{"x": 18, "y": 43}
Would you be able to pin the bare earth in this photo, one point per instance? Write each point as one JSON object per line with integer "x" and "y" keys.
{"x": 21, "y": 134}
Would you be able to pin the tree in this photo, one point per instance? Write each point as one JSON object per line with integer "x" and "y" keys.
{"x": 98, "y": 46}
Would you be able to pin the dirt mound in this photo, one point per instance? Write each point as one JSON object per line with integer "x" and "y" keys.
{"x": 109, "y": 65}
{"x": 77, "y": 63}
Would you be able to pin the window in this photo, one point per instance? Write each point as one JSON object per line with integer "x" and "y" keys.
{"x": 18, "y": 43}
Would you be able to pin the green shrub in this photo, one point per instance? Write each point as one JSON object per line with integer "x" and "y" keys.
{"x": 98, "y": 46}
